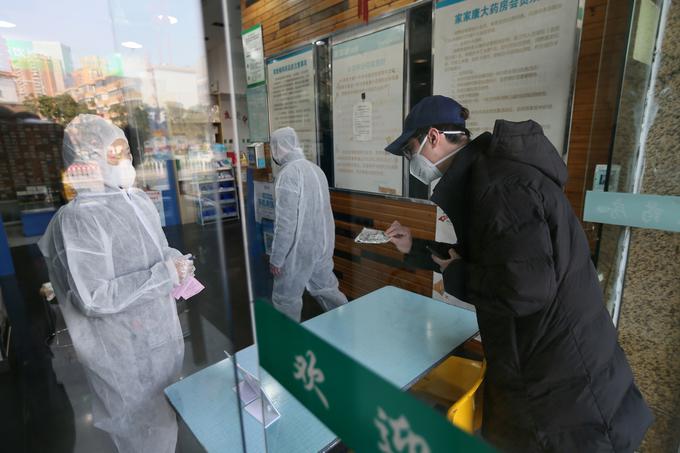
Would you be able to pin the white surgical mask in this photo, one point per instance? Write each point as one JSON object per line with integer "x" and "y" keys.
{"x": 422, "y": 168}
{"x": 121, "y": 175}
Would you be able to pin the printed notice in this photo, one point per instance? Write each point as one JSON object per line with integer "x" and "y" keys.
{"x": 508, "y": 59}
{"x": 292, "y": 97}
{"x": 368, "y": 98}
{"x": 253, "y": 52}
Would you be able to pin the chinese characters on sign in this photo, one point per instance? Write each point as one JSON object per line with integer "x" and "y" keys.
{"x": 660, "y": 212}
{"x": 292, "y": 97}
{"x": 290, "y": 67}
{"x": 509, "y": 59}
{"x": 652, "y": 213}
{"x": 331, "y": 385}
{"x": 396, "y": 435}
{"x": 306, "y": 371}
{"x": 492, "y": 8}
{"x": 616, "y": 210}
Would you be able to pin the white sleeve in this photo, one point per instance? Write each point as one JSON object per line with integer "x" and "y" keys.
{"x": 96, "y": 289}
{"x": 285, "y": 227}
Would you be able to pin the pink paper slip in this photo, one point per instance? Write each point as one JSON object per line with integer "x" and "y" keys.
{"x": 188, "y": 289}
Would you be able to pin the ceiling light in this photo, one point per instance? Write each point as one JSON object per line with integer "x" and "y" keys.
{"x": 320, "y": 43}
{"x": 131, "y": 45}
{"x": 5, "y": 24}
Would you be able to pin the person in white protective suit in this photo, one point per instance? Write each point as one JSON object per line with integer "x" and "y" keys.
{"x": 304, "y": 231}
{"x": 112, "y": 272}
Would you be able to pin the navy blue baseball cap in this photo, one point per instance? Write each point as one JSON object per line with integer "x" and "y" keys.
{"x": 428, "y": 112}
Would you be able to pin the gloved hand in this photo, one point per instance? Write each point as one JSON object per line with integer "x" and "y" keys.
{"x": 276, "y": 271}
{"x": 185, "y": 268}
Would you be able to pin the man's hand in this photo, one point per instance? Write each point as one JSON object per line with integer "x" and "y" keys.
{"x": 442, "y": 263}
{"x": 276, "y": 271}
{"x": 400, "y": 236}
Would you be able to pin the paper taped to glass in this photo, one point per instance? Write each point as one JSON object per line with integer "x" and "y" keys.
{"x": 371, "y": 236}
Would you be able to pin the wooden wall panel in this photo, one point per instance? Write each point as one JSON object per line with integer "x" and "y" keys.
{"x": 289, "y": 23}
{"x": 362, "y": 268}
{"x": 584, "y": 101}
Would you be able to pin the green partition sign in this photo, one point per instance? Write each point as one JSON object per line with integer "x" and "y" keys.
{"x": 366, "y": 411}
{"x": 659, "y": 212}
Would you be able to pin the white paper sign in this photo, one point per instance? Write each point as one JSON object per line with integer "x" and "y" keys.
{"x": 368, "y": 99}
{"x": 645, "y": 36}
{"x": 292, "y": 97}
{"x": 363, "y": 121}
{"x": 253, "y": 52}
{"x": 264, "y": 200}
{"x": 508, "y": 59}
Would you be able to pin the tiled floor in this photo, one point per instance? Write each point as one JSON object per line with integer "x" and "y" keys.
{"x": 45, "y": 399}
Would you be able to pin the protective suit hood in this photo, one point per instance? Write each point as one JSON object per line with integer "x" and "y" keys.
{"x": 285, "y": 146}
{"x": 87, "y": 139}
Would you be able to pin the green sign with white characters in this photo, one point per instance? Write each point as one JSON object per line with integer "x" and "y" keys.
{"x": 368, "y": 413}
{"x": 658, "y": 212}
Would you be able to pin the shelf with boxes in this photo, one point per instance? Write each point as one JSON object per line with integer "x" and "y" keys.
{"x": 216, "y": 196}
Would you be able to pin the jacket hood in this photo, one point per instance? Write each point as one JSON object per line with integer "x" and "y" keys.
{"x": 526, "y": 143}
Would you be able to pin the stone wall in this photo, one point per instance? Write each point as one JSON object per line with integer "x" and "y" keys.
{"x": 649, "y": 324}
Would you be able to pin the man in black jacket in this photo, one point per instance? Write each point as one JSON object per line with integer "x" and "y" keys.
{"x": 557, "y": 379}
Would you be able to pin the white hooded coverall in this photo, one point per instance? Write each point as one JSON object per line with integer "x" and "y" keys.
{"x": 112, "y": 272}
{"x": 304, "y": 231}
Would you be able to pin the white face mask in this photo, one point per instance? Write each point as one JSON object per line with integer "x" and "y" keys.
{"x": 422, "y": 169}
{"x": 122, "y": 175}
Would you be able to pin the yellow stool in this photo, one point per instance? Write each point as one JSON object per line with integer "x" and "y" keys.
{"x": 456, "y": 382}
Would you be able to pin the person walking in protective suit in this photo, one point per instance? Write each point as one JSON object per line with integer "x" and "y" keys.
{"x": 112, "y": 272}
{"x": 304, "y": 233}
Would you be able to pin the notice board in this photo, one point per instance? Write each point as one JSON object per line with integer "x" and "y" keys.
{"x": 292, "y": 97}
{"x": 508, "y": 59}
{"x": 368, "y": 110}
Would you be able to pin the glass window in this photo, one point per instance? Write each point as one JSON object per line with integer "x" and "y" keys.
{"x": 289, "y": 226}
{"x": 121, "y": 203}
